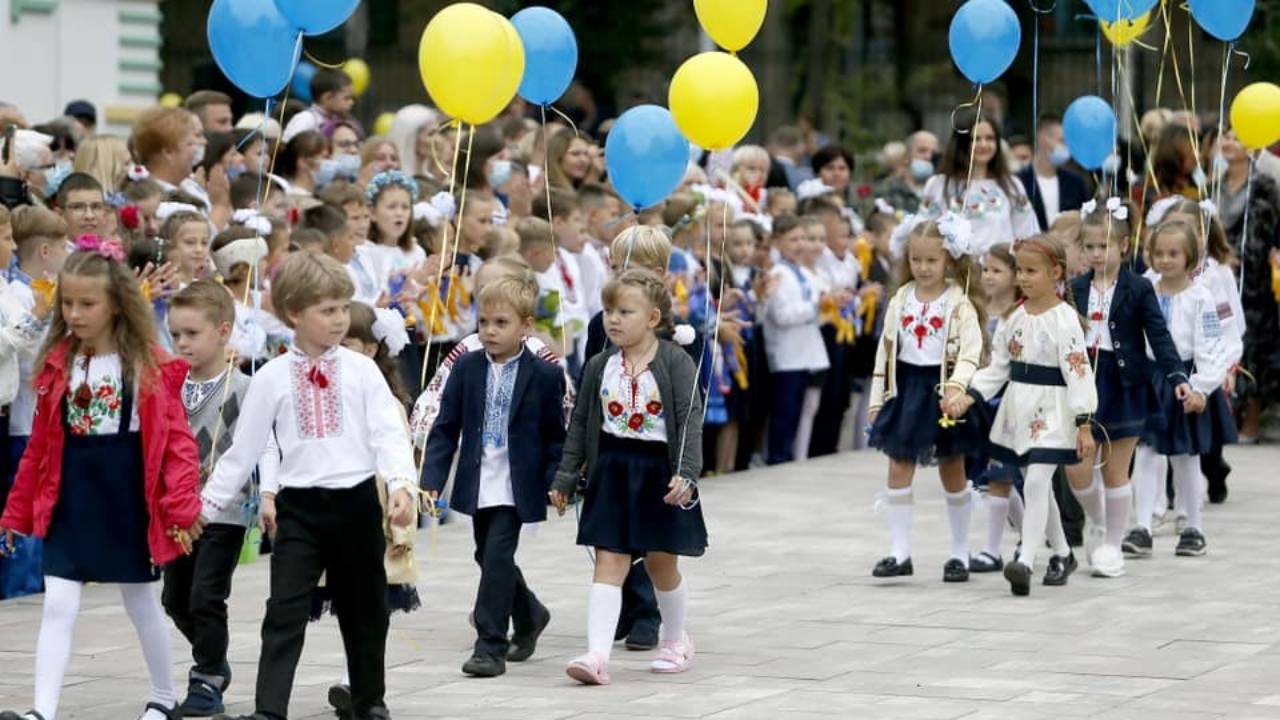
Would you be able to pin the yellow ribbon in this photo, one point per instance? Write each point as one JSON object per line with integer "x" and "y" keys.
{"x": 681, "y": 292}
{"x": 1275, "y": 281}
{"x": 865, "y": 254}
{"x": 433, "y": 309}
{"x": 829, "y": 312}
{"x": 868, "y": 311}
{"x": 740, "y": 375}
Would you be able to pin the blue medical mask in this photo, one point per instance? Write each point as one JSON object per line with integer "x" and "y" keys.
{"x": 1111, "y": 165}
{"x": 499, "y": 173}
{"x": 54, "y": 177}
{"x": 1059, "y": 155}
{"x": 921, "y": 170}
{"x": 235, "y": 172}
{"x": 337, "y": 167}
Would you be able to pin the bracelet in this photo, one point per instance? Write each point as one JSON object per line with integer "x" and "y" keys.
{"x": 1084, "y": 421}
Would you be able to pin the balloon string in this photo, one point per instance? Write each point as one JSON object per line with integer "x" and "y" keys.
{"x": 555, "y": 250}
{"x": 1191, "y": 64}
{"x": 973, "y": 147}
{"x": 321, "y": 63}
{"x": 1035, "y": 83}
{"x": 576, "y": 133}
{"x": 1148, "y": 170}
{"x": 1244, "y": 228}
{"x": 1222, "y": 119}
{"x": 1115, "y": 95}
{"x": 741, "y": 191}
{"x": 435, "y": 156}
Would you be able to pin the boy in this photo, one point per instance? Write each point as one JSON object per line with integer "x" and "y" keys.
{"x": 601, "y": 207}
{"x": 566, "y": 276}
{"x": 570, "y": 225}
{"x": 502, "y": 476}
{"x": 246, "y": 188}
{"x": 340, "y": 432}
{"x": 537, "y": 247}
{"x": 366, "y": 266}
{"x": 83, "y": 205}
{"x": 338, "y": 244}
{"x": 196, "y": 586}
{"x": 334, "y": 97}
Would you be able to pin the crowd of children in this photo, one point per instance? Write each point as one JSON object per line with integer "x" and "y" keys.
{"x": 318, "y": 344}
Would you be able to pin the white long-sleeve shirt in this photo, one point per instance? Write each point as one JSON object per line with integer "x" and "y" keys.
{"x": 20, "y": 335}
{"x": 1201, "y": 335}
{"x": 792, "y": 338}
{"x": 334, "y": 419}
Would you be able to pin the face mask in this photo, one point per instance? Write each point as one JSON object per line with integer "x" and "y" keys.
{"x": 921, "y": 170}
{"x": 348, "y": 165}
{"x": 328, "y": 170}
{"x": 1111, "y": 165}
{"x": 499, "y": 173}
{"x": 197, "y": 155}
{"x": 1220, "y": 164}
{"x": 1198, "y": 177}
{"x": 235, "y": 172}
{"x": 54, "y": 177}
{"x": 1059, "y": 155}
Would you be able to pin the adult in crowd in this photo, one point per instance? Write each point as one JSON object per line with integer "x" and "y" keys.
{"x": 1053, "y": 188}
{"x": 213, "y": 108}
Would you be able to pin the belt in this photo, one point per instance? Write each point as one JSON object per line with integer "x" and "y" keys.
{"x": 1028, "y": 374}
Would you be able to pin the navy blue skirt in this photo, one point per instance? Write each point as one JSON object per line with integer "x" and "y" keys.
{"x": 907, "y": 428}
{"x": 1170, "y": 431}
{"x": 1122, "y": 411}
{"x": 622, "y": 507}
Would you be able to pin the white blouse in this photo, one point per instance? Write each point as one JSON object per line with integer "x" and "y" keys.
{"x": 996, "y": 217}
{"x": 633, "y": 408}
{"x": 1199, "y": 334}
{"x": 921, "y": 339}
{"x": 1099, "y": 334}
{"x": 792, "y": 338}
{"x": 96, "y": 396}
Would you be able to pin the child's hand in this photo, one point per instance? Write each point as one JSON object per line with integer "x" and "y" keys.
{"x": 957, "y": 404}
{"x": 398, "y": 550}
{"x": 681, "y": 491}
{"x": 1183, "y": 391}
{"x": 400, "y": 508}
{"x": 1195, "y": 403}
{"x": 7, "y": 547}
{"x": 428, "y": 501}
{"x": 43, "y": 306}
{"x": 1229, "y": 384}
{"x": 197, "y": 528}
{"x": 267, "y": 516}
{"x": 559, "y": 500}
{"x": 1085, "y": 445}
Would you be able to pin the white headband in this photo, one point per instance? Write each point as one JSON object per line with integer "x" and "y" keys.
{"x": 249, "y": 251}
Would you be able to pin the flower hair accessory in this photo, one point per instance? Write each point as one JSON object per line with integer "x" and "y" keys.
{"x": 1115, "y": 206}
{"x": 1208, "y": 208}
{"x": 957, "y": 235}
{"x": 130, "y": 217}
{"x": 389, "y": 178}
{"x": 884, "y": 208}
{"x": 440, "y": 208}
{"x": 138, "y": 173}
{"x": 764, "y": 222}
{"x": 168, "y": 209}
{"x": 388, "y": 328}
{"x": 247, "y": 251}
{"x": 812, "y": 188}
{"x": 898, "y": 240}
{"x": 252, "y": 220}
{"x": 109, "y": 249}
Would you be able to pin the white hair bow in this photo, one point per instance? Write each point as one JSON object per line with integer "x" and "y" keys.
{"x": 1115, "y": 206}
{"x": 764, "y": 222}
{"x": 388, "y": 328}
{"x": 957, "y": 235}
{"x": 138, "y": 173}
{"x": 437, "y": 210}
{"x": 168, "y": 209}
{"x": 898, "y": 240}
{"x": 249, "y": 251}
{"x": 252, "y": 220}
{"x": 884, "y": 208}
{"x": 812, "y": 188}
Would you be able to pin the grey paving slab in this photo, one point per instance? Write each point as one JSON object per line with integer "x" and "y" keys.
{"x": 789, "y": 624}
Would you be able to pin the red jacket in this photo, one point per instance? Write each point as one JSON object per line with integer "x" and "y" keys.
{"x": 170, "y": 456}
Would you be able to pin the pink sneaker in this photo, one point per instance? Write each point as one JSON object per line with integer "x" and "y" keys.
{"x": 674, "y": 656}
{"x": 589, "y": 669}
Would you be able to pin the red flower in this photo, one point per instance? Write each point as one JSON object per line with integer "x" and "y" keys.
{"x": 654, "y": 407}
{"x": 129, "y": 217}
{"x": 294, "y": 216}
{"x": 906, "y": 321}
{"x": 615, "y": 408}
{"x": 636, "y": 422}
{"x": 83, "y": 396}
{"x": 104, "y": 391}
{"x": 921, "y": 331}
{"x": 864, "y": 191}
{"x": 1096, "y": 315}
{"x": 114, "y": 404}
{"x": 936, "y": 322}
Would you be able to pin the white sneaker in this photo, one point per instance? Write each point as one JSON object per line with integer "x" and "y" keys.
{"x": 1094, "y": 537}
{"x": 1161, "y": 522}
{"x": 1107, "y": 562}
{"x": 1180, "y": 525}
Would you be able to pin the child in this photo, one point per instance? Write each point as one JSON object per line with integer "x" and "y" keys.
{"x": 838, "y": 263}
{"x": 340, "y": 434}
{"x": 602, "y": 207}
{"x": 1049, "y": 401}
{"x": 749, "y": 369}
{"x": 582, "y": 274}
{"x": 334, "y": 97}
{"x": 1066, "y": 230}
{"x": 750, "y": 170}
{"x": 641, "y": 420}
{"x": 1124, "y": 320}
{"x": 780, "y": 201}
{"x": 933, "y": 343}
{"x": 186, "y": 243}
{"x": 365, "y": 266}
{"x": 1181, "y": 430}
{"x": 256, "y": 334}
{"x": 876, "y": 265}
{"x": 391, "y": 196}
{"x": 793, "y": 340}
{"x": 339, "y": 244}
{"x": 196, "y": 587}
{"x": 109, "y": 477}
{"x": 502, "y": 475}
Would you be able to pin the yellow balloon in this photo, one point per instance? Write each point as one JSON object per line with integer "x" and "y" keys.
{"x": 358, "y": 71}
{"x": 1123, "y": 32}
{"x": 714, "y": 100}
{"x": 1255, "y": 115}
{"x": 731, "y": 23}
{"x": 171, "y": 100}
{"x": 382, "y": 126}
{"x": 471, "y": 60}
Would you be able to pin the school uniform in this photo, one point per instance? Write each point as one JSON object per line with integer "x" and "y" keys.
{"x": 793, "y": 344}
{"x": 505, "y": 423}
{"x": 1117, "y": 345}
{"x": 337, "y": 426}
{"x": 841, "y": 273}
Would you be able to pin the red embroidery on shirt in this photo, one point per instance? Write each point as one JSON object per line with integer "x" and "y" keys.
{"x": 317, "y": 397}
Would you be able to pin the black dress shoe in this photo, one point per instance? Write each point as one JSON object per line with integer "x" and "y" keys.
{"x": 12, "y": 715}
{"x": 890, "y": 567}
{"x": 1060, "y": 569}
{"x": 985, "y": 562}
{"x": 643, "y": 636}
{"x": 955, "y": 571}
{"x": 484, "y": 666}
{"x": 524, "y": 644}
{"x": 340, "y": 701}
{"x": 1019, "y": 577}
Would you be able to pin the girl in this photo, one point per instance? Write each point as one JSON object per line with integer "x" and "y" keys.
{"x": 1124, "y": 320}
{"x": 975, "y": 181}
{"x": 833, "y": 304}
{"x": 739, "y": 299}
{"x": 1038, "y": 358}
{"x": 792, "y": 336}
{"x": 639, "y": 433}
{"x": 750, "y": 170}
{"x": 109, "y": 478}
{"x": 391, "y": 196}
{"x": 1181, "y": 430}
{"x": 186, "y": 240}
{"x": 933, "y": 339}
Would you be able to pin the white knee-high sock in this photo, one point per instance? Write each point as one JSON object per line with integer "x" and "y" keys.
{"x": 1147, "y": 480}
{"x": 153, "y": 633}
{"x": 674, "y": 606}
{"x": 997, "y": 516}
{"x": 53, "y": 648}
{"x": 901, "y": 509}
{"x": 604, "y": 604}
{"x": 1038, "y": 488}
{"x": 1054, "y": 531}
{"x": 1017, "y": 509}
{"x": 804, "y": 431}
{"x": 1119, "y": 500}
{"x": 1091, "y": 501}
{"x": 1186, "y": 473}
{"x": 959, "y": 512}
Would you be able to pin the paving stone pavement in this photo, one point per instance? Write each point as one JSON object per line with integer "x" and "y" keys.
{"x": 789, "y": 623}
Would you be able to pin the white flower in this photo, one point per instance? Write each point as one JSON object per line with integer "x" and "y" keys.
{"x": 884, "y": 208}
{"x": 445, "y": 203}
{"x": 1161, "y": 208}
{"x": 426, "y": 211}
{"x": 957, "y": 235}
{"x": 1113, "y": 204}
{"x": 389, "y": 329}
{"x": 812, "y": 188}
{"x": 1120, "y": 213}
{"x": 764, "y": 222}
{"x": 684, "y": 335}
{"x": 1089, "y": 208}
{"x": 138, "y": 173}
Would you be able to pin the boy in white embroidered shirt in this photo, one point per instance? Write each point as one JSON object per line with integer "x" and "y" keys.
{"x": 337, "y": 426}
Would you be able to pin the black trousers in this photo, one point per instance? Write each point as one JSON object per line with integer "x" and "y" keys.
{"x": 196, "y": 588}
{"x": 834, "y": 401}
{"x": 503, "y": 597}
{"x": 788, "y": 404}
{"x": 640, "y": 614}
{"x": 1068, "y": 509}
{"x": 338, "y": 532}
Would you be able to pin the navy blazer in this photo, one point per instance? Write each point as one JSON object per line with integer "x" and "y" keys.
{"x": 1135, "y": 322}
{"x": 1073, "y": 191}
{"x": 535, "y": 434}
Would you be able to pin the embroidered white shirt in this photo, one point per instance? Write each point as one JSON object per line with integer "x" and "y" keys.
{"x": 1099, "y": 333}
{"x": 495, "y": 457}
{"x": 633, "y": 407}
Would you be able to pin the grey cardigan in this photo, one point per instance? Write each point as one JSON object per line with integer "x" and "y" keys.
{"x": 672, "y": 368}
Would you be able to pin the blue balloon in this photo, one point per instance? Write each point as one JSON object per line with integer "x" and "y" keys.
{"x": 646, "y": 155}
{"x": 1089, "y": 128}
{"x": 254, "y": 46}
{"x": 1223, "y": 19}
{"x": 302, "y": 81}
{"x": 316, "y": 17}
{"x": 1116, "y": 10}
{"x": 550, "y": 54}
{"x": 985, "y": 36}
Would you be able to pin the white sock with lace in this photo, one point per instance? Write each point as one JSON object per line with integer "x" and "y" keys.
{"x": 674, "y": 606}
{"x": 1091, "y": 501}
{"x": 604, "y": 604}
{"x": 997, "y": 516}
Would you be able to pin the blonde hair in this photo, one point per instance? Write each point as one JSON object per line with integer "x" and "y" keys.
{"x": 533, "y": 232}
{"x": 32, "y": 222}
{"x": 964, "y": 270}
{"x": 174, "y": 222}
{"x": 519, "y": 292}
{"x": 651, "y": 288}
{"x": 1125, "y": 231}
{"x": 1190, "y": 239}
{"x": 644, "y": 246}
{"x": 503, "y": 266}
{"x": 1066, "y": 227}
{"x": 1054, "y": 250}
{"x": 308, "y": 279}
{"x": 209, "y": 298}
{"x": 105, "y": 158}
{"x": 747, "y": 153}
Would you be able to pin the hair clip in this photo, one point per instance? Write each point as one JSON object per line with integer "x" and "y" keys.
{"x": 1115, "y": 206}
{"x": 109, "y": 249}
{"x": 130, "y": 217}
{"x": 168, "y": 209}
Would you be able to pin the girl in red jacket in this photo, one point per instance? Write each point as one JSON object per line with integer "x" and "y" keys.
{"x": 111, "y": 473}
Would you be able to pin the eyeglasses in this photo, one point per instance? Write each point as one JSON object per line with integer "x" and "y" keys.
{"x": 347, "y": 144}
{"x": 82, "y": 208}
